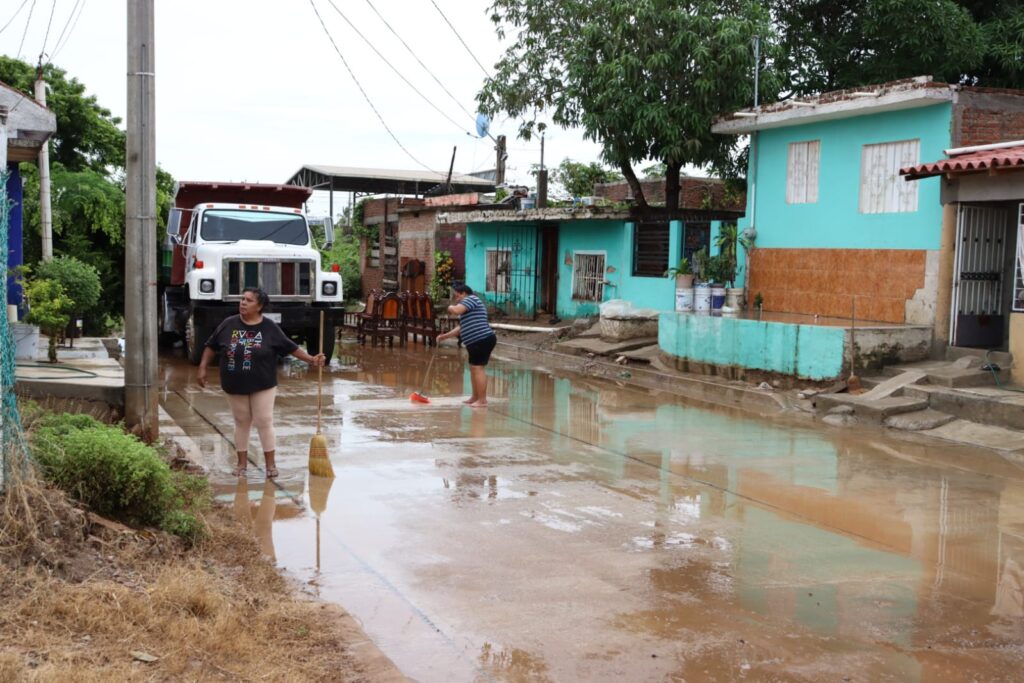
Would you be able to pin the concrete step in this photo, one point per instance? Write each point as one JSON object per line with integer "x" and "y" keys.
{"x": 870, "y": 410}
{"x": 983, "y": 405}
{"x": 948, "y": 374}
{"x": 918, "y": 421}
{"x": 1003, "y": 359}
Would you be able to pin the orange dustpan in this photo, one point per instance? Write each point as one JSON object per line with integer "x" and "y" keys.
{"x": 421, "y": 396}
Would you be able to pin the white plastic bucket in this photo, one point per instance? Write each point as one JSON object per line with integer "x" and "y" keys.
{"x": 702, "y": 298}
{"x": 26, "y": 341}
{"x": 717, "y": 298}
{"x": 684, "y": 299}
{"x": 734, "y": 298}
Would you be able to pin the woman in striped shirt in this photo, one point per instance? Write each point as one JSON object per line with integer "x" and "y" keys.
{"x": 478, "y": 337}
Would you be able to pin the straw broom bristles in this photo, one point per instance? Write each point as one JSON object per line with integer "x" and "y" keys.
{"x": 319, "y": 460}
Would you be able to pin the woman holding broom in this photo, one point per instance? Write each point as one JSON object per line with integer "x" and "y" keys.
{"x": 249, "y": 345}
{"x": 477, "y": 335}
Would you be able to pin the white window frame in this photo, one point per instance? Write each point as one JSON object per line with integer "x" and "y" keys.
{"x": 882, "y": 188}
{"x": 577, "y": 273}
{"x": 803, "y": 166}
{"x": 494, "y": 280}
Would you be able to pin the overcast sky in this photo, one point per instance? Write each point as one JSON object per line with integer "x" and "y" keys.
{"x": 250, "y": 90}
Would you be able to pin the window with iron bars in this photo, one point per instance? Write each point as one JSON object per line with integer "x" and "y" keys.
{"x": 499, "y": 267}
{"x": 1018, "y": 270}
{"x": 588, "y": 276}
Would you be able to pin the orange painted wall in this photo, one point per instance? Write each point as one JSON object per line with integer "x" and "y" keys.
{"x": 825, "y": 281}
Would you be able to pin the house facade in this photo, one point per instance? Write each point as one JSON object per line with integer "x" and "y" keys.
{"x": 841, "y": 236}
{"x": 564, "y": 262}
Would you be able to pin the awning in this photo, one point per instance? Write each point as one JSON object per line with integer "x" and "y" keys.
{"x": 974, "y": 162}
{"x": 385, "y": 180}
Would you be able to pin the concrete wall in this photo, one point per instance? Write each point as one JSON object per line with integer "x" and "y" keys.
{"x": 982, "y": 116}
{"x": 807, "y": 351}
{"x": 1016, "y": 347}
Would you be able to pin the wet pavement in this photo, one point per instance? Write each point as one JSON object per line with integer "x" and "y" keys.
{"x": 578, "y": 530}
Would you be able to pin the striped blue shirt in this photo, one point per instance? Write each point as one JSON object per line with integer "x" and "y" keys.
{"x": 473, "y": 325}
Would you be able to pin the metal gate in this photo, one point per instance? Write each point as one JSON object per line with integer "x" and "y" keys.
{"x": 979, "y": 276}
{"x": 515, "y": 295}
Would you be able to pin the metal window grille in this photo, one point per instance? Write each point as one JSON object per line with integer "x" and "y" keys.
{"x": 650, "y": 249}
{"x": 1018, "y": 271}
{"x": 499, "y": 267}
{"x": 588, "y": 277}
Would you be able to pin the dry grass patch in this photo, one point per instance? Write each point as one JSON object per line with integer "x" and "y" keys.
{"x": 87, "y": 600}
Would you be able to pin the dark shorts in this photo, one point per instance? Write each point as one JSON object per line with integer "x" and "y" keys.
{"x": 480, "y": 352}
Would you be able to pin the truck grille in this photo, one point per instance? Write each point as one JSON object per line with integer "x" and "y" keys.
{"x": 284, "y": 280}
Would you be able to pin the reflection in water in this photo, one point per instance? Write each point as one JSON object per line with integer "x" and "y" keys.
{"x": 512, "y": 664}
{"x": 319, "y": 491}
{"x": 261, "y": 519}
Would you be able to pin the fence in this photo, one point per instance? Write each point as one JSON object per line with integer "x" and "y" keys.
{"x": 13, "y": 451}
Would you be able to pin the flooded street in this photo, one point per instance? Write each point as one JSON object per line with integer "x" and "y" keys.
{"x": 577, "y": 530}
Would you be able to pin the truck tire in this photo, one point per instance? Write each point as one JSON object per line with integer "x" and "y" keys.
{"x": 195, "y": 336}
{"x": 313, "y": 337}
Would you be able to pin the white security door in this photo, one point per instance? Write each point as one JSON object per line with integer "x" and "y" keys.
{"x": 978, "y": 281}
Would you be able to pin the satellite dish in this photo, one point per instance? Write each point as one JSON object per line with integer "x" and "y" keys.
{"x": 483, "y": 125}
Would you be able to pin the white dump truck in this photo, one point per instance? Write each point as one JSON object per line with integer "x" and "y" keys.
{"x": 225, "y": 237}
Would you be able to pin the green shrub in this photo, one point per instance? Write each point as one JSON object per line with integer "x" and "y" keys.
{"x": 117, "y": 475}
{"x": 80, "y": 281}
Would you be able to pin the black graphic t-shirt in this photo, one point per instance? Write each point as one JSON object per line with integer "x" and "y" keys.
{"x": 249, "y": 353}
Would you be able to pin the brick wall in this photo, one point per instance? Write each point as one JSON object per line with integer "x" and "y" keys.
{"x": 694, "y": 193}
{"x": 982, "y": 117}
{"x": 825, "y": 281}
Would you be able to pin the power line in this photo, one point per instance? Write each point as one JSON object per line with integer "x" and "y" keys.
{"x": 482, "y": 68}
{"x": 397, "y": 72}
{"x": 58, "y": 45}
{"x": 46, "y": 36}
{"x": 419, "y": 61}
{"x": 25, "y": 32}
{"x": 15, "y": 15}
{"x": 365, "y": 96}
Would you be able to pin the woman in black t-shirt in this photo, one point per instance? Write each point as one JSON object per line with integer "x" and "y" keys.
{"x": 249, "y": 345}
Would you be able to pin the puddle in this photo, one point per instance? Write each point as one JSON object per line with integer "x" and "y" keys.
{"x": 576, "y": 530}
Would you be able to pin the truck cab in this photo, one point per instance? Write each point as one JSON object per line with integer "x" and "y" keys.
{"x": 220, "y": 245}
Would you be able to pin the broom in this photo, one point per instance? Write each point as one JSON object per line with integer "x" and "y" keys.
{"x": 421, "y": 396}
{"x": 319, "y": 489}
{"x": 319, "y": 461}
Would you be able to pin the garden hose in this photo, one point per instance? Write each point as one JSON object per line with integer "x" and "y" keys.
{"x": 994, "y": 369}
{"x": 88, "y": 374}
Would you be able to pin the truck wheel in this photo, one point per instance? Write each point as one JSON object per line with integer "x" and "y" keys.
{"x": 195, "y": 335}
{"x": 312, "y": 337}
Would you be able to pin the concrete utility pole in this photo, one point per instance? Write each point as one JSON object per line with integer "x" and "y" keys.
{"x": 499, "y": 178}
{"x": 140, "y": 315}
{"x": 45, "y": 211}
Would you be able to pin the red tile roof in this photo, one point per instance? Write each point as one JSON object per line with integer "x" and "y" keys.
{"x": 975, "y": 162}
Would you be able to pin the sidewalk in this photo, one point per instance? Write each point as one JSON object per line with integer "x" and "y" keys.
{"x": 85, "y": 372}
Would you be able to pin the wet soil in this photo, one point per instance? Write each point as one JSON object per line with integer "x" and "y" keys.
{"x": 580, "y": 530}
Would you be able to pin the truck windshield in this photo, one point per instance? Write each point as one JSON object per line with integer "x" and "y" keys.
{"x": 230, "y": 225}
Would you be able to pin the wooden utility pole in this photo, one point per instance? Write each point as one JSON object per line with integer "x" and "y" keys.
{"x": 45, "y": 210}
{"x": 140, "y": 314}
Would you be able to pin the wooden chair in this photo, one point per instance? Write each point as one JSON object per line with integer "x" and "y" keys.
{"x": 388, "y": 320}
{"x": 410, "y": 315}
{"x": 427, "y": 319}
{"x": 366, "y": 320}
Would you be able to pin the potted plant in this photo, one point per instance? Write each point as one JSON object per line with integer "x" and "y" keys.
{"x": 702, "y": 272}
{"x": 727, "y": 242}
{"x": 49, "y": 308}
{"x": 682, "y": 272}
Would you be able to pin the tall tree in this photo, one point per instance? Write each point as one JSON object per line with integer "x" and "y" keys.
{"x": 644, "y": 78}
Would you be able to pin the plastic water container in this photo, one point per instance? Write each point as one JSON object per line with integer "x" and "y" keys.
{"x": 702, "y": 298}
{"x": 684, "y": 300}
{"x": 717, "y": 298}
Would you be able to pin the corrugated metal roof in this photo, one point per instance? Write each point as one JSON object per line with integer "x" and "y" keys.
{"x": 384, "y": 180}
{"x": 975, "y": 162}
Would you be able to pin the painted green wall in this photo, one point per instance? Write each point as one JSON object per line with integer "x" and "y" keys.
{"x": 835, "y": 220}
{"x": 613, "y": 238}
{"x": 810, "y": 351}
{"x": 483, "y": 236}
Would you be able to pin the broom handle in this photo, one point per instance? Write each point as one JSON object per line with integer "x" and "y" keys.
{"x": 320, "y": 377}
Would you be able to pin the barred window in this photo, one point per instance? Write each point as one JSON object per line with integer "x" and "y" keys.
{"x": 588, "y": 277}
{"x": 499, "y": 266}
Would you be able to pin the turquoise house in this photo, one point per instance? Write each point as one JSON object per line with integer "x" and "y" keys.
{"x": 842, "y": 237}
{"x": 564, "y": 262}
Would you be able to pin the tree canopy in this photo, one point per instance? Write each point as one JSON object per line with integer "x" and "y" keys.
{"x": 578, "y": 178}
{"x": 644, "y": 78}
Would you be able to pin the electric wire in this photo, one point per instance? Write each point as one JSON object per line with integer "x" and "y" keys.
{"x": 14, "y": 16}
{"x": 397, "y": 72}
{"x": 46, "y": 36}
{"x": 482, "y": 68}
{"x": 420, "y": 61}
{"x": 365, "y": 96}
{"x": 58, "y": 45}
{"x": 24, "y": 33}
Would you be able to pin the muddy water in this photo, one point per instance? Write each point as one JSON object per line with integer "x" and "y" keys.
{"x": 577, "y": 530}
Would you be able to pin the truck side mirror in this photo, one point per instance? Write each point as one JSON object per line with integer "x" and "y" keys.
{"x": 173, "y": 224}
{"x": 328, "y": 233}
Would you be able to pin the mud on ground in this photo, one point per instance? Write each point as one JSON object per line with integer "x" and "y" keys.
{"x": 87, "y": 599}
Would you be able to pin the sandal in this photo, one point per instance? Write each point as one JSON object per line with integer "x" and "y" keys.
{"x": 238, "y": 472}
{"x": 271, "y": 472}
